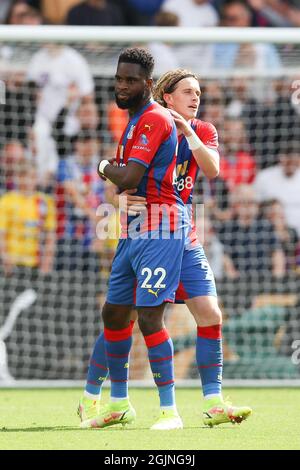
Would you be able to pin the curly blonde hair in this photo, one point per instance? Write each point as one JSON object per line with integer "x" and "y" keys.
{"x": 167, "y": 83}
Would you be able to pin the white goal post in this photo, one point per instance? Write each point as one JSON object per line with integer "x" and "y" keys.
{"x": 107, "y": 34}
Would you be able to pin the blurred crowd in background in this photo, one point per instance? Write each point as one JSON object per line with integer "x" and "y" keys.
{"x": 189, "y": 13}
{"x": 59, "y": 120}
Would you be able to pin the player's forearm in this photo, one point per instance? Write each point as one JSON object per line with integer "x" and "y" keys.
{"x": 121, "y": 176}
{"x": 207, "y": 159}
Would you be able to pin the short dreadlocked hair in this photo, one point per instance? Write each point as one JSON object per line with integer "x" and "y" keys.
{"x": 167, "y": 83}
{"x": 142, "y": 57}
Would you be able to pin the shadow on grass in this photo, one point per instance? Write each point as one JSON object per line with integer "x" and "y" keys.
{"x": 108, "y": 429}
{"x": 65, "y": 428}
{"x": 40, "y": 429}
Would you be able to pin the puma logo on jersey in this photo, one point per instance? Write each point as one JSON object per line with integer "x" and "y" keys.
{"x": 153, "y": 292}
{"x": 148, "y": 126}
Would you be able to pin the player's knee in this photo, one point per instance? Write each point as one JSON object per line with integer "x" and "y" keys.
{"x": 149, "y": 324}
{"x": 213, "y": 315}
{"x": 208, "y": 314}
{"x": 114, "y": 317}
{"x": 205, "y": 310}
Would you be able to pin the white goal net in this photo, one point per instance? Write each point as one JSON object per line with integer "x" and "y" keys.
{"x": 57, "y": 112}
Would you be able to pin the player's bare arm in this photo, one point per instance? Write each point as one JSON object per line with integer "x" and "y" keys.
{"x": 133, "y": 204}
{"x": 127, "y": 177}
{"x": 207, "y": 159}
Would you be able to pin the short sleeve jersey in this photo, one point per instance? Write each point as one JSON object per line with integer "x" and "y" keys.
{"x": 188, "y": 170}
{"x": 150, "y": 139}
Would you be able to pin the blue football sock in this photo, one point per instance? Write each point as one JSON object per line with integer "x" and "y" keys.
{"x": 161, "y": 357}
{"x": 210, "y": 359}
{"x": 98, "y": 370}
{"x": 118, "y": 344}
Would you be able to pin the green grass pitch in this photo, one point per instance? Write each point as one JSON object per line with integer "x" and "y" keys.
{"x": 46, "y": 419}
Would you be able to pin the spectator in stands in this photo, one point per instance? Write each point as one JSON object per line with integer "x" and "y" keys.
{"x": 264, "y": 12}
{"x": 264, "y": 15}
{"x": 254, "y": 262}
{"x": 212, "y": 107}
{"x": 238, "y": 95}
{"x": 27, "y": 226}
{"x": 165, "y": 54}
{"x": 237, "y": 13}
{"x": 88, "y": 118}
{"x": 286, "y": 113}
{"x": 117, "y": 120}
{"x": 272, "y": 210}
{"x": 5, "y": 5}
{"x": 139, "y": 12}
{"x": 193, "y": 13}
{"x": 56, "y": 11}
{"x": 107, "y": 246}
{"x": 214, "y": 250}
{"x": 80, "y": 191}
{"x": 12, "y": 156}
{"x": 17, "y": 114}
{"x": 16, "y": 10}
{"x": 46, "y": 168}
{"x": 237, "y": 166}
{"x": 27, "y": 249}
{"x": 54, "y": 69}
{"x": 259, "y": 18}
{"x": 37, "y": 4}
{"x": 253, "y": 102}
{"x": 213, "y": 91}
{"x": 282, "y": 182}
{"x": 282, "y": 13}
{"x": 33, "y": 18}
{"x": 214, "y": 194}
{"x": 214, "y": 112}
{"x": 251, "y": 245}
{"x": 95, "y": 13}
{"x": 270, "y": 118}
{"x": 21, "y": 13}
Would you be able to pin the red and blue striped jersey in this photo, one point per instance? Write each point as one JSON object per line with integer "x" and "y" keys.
{"x": 150, "y": 139}
{"x": 188, "y": 170}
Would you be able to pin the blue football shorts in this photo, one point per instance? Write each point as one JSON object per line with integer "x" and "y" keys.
{"x": 145, "y": 272}
{"x": 196, "y": 276}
